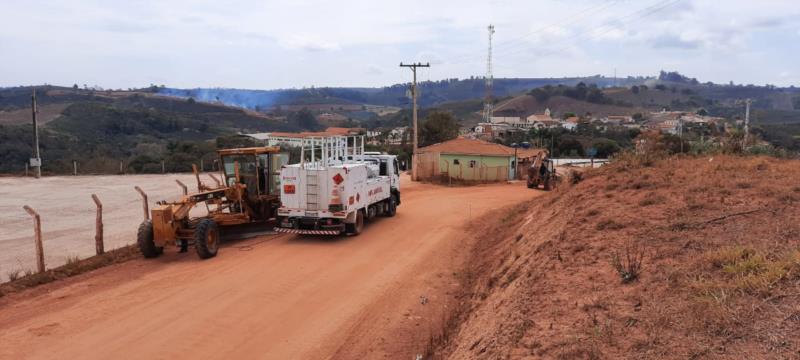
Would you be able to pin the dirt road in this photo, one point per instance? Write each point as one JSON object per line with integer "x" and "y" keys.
{"x": 377, "y": 295}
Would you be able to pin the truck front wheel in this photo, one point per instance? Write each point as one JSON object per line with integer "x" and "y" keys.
{"x": 356, "y": 228}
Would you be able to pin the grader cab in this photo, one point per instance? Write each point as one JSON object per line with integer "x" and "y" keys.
{"x": 248, "y": 193}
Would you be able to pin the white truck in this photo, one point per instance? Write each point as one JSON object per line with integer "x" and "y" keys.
{"x": 336, "y": 192}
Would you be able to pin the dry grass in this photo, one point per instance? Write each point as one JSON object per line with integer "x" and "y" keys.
{"x": 628, "y": 264}
{"x": 741, "y": 270}
{"x": 722, "y": 276}
{"x": 73, "y": 267}
{"x": 73, "y": 259}
{"x": 13, "y": 274}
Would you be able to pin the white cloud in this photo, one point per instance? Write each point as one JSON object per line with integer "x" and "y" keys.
{"x": 309, "y": 43}
{"x": 373, "y": 69}
{"x": 204, "y": 43}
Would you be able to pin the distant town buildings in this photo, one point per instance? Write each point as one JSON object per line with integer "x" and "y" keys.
{"x": 509, "y": 121}
{"x": 389, "y": 136}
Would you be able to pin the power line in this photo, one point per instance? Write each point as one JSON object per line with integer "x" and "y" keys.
{"x": 467, "y": 57}
{"x": 609, "y": 26}
{"x": 501, "y": 45}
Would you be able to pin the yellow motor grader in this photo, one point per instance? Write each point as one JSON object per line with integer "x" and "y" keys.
{"x": 542, "y": 171}
{"x": 249, "y": 192}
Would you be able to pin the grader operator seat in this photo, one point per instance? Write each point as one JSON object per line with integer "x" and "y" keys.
{"x": 258, "y": 170}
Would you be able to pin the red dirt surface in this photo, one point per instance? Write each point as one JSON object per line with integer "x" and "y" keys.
{"x": 719, "y": 240}
{"x": 382, "y": 294}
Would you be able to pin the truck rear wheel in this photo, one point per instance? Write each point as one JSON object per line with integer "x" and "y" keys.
{"x": 206, "y": 239}
{"x": 144, "y": 238}
{"x": 356, "y": 228}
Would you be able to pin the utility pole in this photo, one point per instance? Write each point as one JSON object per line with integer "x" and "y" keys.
{"x": 746, "y": 121}
{"x": 488, "y": 107}
{"x": 413, "y": 68}
{"x": 36, "y": 162}
{"x": 680, "y": 130}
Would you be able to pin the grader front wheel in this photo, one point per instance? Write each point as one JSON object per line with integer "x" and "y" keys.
{"x": 206, "y": 239}
{"x": 144, "y": 238}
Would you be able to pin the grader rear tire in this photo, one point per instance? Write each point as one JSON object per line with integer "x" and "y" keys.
{"x": 144, "y": 238}
{"x": 206, "y": 239}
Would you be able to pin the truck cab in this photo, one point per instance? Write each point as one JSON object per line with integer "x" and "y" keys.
{"x": 387, "y": 166}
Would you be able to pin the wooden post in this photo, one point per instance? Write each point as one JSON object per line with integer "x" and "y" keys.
{"x": 219, "y": 184}
{"x": 37, "y": 230}
{"x": 163, "y": 167}
{"x": 183, "y": 186}
{"x": 26, "y": 169}
{"x": 74, "y": 167}
{"x": 98, "y": 226}
{"x": 144, "y": 203}
{"x": 202, "y": 168}
{"x": 120, "y": 167}
{"x": 197, "y": 176}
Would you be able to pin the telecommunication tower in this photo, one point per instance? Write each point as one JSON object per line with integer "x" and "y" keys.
{"x": 488, "y": 106}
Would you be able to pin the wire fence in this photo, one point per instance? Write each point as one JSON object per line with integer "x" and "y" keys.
{"x": 68, "y": 216}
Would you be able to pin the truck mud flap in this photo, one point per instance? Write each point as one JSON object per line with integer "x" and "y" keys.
{"x": 307, "y": 232}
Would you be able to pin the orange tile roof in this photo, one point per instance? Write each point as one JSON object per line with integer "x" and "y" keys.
{"x": 477, "y": 147}
{"x": 331, "y": 131}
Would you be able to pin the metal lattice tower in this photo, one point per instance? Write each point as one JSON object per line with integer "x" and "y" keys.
{"x": 488, "y": 107}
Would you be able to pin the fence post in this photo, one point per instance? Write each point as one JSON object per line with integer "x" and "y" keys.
{"x": 74, "y": 167}
{"x": 120, "y": 167}
{"x": 37, "y": 230}
{"x": 163, "y": 167}
{"x": 144, "y": 203}
{"x": 98, "y": 226}
{"x": 183, "y": 186}
{"x": 26, "y": 169}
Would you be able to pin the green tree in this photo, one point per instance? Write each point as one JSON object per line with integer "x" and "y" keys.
{"x": 305, "y": 120}
{"x": 606, "y": 148}
{"x": 438, "y": 127}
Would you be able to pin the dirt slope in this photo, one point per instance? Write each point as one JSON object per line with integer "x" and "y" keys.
{"x": 720, "y": 245}
{"x": 377, "y": 295}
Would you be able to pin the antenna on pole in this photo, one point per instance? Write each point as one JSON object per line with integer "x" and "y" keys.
{"x": 36, "y": 161}
{"x": 488, "y": 106}
{"x": 747, "y": 120}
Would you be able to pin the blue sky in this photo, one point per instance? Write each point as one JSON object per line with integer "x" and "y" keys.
{"x": 300, "y": 43}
